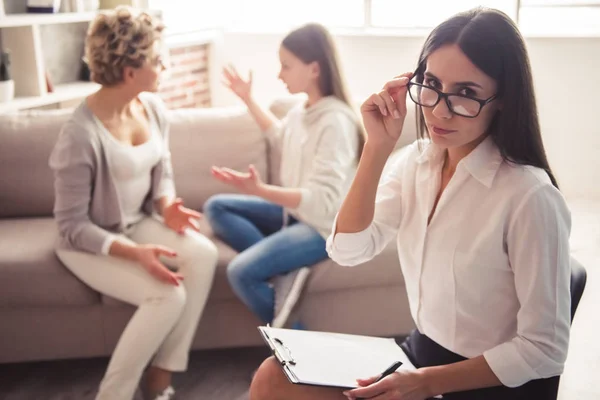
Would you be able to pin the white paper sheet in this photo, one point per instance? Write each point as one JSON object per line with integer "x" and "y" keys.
{"x": 333, "y": 359}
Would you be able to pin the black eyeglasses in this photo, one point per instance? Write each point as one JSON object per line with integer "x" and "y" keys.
{"x": 459, "y": 104}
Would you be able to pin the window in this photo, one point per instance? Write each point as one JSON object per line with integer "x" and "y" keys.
{"x": 184, "y": 16}
{"x": 285, "y": 14}
{"x": 428, "y": 13}
{"x": 561, "y": 17}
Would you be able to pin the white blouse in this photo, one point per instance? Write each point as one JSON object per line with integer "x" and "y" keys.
{"x": 490, "y": 273}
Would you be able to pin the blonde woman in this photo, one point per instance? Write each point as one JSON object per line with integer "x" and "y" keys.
{"x": 123, "y": 230}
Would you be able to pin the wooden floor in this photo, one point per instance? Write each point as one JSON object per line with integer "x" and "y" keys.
{"x": 215, "y": 375}
{"x": 226, "y": 374}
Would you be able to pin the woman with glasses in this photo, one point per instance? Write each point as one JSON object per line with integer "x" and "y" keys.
{"x": 481, "y": 228}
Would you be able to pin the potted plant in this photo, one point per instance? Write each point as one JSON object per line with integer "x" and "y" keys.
{"x": 7, "y": 85}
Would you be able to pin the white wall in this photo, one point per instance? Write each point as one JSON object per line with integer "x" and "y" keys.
{"x": 566, "y": 74}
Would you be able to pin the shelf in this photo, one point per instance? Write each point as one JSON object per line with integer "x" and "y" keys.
{"x": 12, "y": 20}
{"x": 62, "y": 92}
{"x": 25, "y": 19}
{"x": 22, "y": 35}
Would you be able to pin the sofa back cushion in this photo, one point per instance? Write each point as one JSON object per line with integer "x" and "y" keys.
{"x": 199, "y": 138}
{"x": 26, "y": 181}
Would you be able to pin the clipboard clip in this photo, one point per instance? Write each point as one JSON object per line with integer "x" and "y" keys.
{"x": 290, "y": 359}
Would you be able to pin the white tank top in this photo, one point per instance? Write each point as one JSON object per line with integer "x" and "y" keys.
{"x": 131, "y": 169}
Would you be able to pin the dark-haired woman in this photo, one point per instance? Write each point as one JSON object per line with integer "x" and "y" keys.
{"x": 481, "y": 227}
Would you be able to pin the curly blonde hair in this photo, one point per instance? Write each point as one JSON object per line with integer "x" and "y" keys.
{"x": 120, "y": 38}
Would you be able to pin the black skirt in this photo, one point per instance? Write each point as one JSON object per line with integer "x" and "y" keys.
{"x": 424, "y": 352}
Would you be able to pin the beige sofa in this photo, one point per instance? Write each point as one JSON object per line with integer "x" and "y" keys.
{"x": 47, "y": 313}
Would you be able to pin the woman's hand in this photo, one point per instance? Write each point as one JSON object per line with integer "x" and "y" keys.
{"x": 178, "y": 218}
{"x": 148, "y": 254}
{"x": 246, "y": 182}
{"x": 401, "y": 385}
{"x": 384, "y": 112}
{"x": 236, "y": 84}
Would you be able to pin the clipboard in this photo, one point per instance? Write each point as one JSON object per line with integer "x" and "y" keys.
{"x": 331, "y": 359}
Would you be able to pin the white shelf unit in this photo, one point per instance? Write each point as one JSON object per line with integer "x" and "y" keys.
{"x": 21, "y": 36}
{"x": 13, "y": 20}
{"x": 62, "y": 93}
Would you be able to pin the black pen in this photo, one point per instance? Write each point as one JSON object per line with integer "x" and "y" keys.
{"x": 387, "y": 372}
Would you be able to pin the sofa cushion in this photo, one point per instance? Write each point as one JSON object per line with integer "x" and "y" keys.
{"x": 384, "y": 270}
{"x": 201, "y": 138}
{"x": 26, "y": 181}
{"x": 30, "y": 273}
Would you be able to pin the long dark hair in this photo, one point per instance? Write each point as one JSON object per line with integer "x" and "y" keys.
{"x": 494, "y": 44}
{"x": 313, "y": 43}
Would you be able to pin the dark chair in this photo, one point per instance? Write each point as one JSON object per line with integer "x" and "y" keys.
{"x": 578, "y": 280}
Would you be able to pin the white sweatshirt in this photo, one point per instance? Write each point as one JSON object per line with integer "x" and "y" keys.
{"x": 318, "y": 146}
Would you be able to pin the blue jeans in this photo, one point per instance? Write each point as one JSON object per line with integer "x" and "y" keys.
{"x": 254, "y": 227}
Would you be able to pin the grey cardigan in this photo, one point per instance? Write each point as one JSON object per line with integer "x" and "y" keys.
{"x": 86, "y": 206}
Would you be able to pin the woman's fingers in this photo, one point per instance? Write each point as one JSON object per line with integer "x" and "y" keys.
{"x": 368, "y": 381}
{"x": 192, "y": 213}
{"x": 229, "y": 177}
{"x": 252, "y": 171}
{"x": 397, "y": 88}
{"x": 397, "y": 83}
{"x": 220, "y": 175}
{"x": 227, "y": 74}
{"x": 162, "y": 273}
{"x": 369, "y": 391}
{"x": 217, "y": 174}
{"x": 234, "y": 71}
{"x": 226, "y": 83}
{"x": 170, "y": 276}
{"x": 165, "y": 251}
{"x": 390, "y": 105}
{"x": 408, "y": 75}
{"x": 191, "y": 223}
{"x": 177, "y": 276}
{"x": 234, "y": 173}
{"x": 375, "y": 102}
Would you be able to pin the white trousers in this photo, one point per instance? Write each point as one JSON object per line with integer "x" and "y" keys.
{"x": 167, "y": 316}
